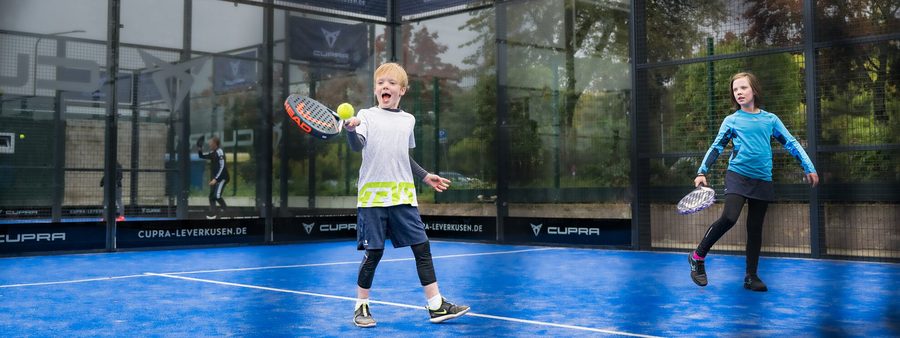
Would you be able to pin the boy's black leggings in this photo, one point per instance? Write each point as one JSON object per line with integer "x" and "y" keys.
{"x": 756, "y": 213}
{"x": 215, "y": 195}
{"x": 424, "y": 265}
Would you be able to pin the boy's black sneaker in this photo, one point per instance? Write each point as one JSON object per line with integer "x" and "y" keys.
{"x": 447, "y": 311}
{"x": 698, "y": 270}
{"x": 362, "y": 317}
{"x": 752, "y": 282}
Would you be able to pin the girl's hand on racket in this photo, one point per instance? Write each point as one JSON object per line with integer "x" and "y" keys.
{"x": 438, "y": 183}
{"x": 351, "y": 124}
{"x": 813, "y": 179}
{"x": 700, "y": 180}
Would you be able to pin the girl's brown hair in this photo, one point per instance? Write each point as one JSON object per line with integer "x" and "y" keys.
{"x": 754, "y": 85}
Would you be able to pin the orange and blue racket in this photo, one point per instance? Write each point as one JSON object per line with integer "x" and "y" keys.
{"x": 313, "y": 117}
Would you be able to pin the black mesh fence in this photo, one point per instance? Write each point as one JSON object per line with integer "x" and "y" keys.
{"x": 422, "y": 9}
{"x": 687, "y": 105}
{"x": 59, "y": 156}
{"x": 836, "y": 20}
{"x": 858, "y": 121}
{"x": 854, "y": 210}
{"x": 376, "y": 10}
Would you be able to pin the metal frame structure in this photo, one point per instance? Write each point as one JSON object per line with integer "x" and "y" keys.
{"x": 639, "y": 68}
{"x": 112, "y": 112}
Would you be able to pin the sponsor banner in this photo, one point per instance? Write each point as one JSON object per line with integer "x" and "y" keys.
{"x": 580, "y": 231}
{"x": 142, "y": 211}
{"x": 234, "y": 73}
{"x": 309, "y": 228}
{"x": 27, "y": 212}
{"x": 328, "y": 44}
{"x": 47, "y": 237}
{"x": 83, "y": 212}
{"x": 139, "y": 234}
{"x": 456, "y": 227}
{"x": 150, "y": 210}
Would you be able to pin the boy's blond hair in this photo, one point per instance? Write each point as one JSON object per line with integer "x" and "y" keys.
{"x": 395, "y": 70}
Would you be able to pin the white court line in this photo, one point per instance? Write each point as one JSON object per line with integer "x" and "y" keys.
{"x": 268, "y": 267}
{"x": 509, "y": 319}
{"x": 356, "y": 262}
{"x": 71, "y": 281}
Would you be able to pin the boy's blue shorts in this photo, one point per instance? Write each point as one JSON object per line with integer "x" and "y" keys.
{"x": 401, "y": 223}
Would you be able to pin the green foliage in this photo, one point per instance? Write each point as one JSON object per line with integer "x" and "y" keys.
{"x": 674, "y": 26}
{"x": 469, "y": 156}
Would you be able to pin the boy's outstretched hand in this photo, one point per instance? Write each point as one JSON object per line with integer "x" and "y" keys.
{"x": 351, "y": 124}
{"x": 438, "y": 183}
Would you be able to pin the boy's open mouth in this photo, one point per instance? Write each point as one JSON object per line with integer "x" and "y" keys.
{"x": 385, "y": 96}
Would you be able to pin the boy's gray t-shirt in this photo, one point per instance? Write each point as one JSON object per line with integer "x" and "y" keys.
{"x": 385, "y": 177}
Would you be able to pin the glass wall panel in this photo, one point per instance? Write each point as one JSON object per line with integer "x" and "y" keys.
{"x": 226, "y": 103}
{"x": 52, "y": 108}
{"x": 450, "y": 61}
{"x": 569, "y": 92}
{"x": 332, "y": 68}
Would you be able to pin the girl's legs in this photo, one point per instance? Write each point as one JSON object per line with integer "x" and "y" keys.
{"x": 756, "y": 213}
{"x": 733, "y": 205}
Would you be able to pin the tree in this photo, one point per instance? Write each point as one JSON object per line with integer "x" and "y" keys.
{"x": 857, "y": 83}
{"x": 778, "y": 21}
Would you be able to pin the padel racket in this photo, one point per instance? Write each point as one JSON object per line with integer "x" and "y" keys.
{"x": 699, "y": 199}
{"x": 313, "y": 117}
{"x": 200, "y": 141}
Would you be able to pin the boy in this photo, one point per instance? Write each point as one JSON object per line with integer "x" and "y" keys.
{"x": 219, "y": 172}
{"x": 386, "y": 201}
{"x": 120, "y": 207}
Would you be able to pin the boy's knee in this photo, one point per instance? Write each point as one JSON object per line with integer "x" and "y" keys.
{"x": 367, "y": 268}
{"x": 424, "y": 265}
{"x": 422, "y": 251}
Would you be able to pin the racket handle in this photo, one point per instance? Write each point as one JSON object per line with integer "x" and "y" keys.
{"x": 702, "y": 181}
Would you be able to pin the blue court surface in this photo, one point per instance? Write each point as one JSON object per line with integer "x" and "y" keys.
{"x": 309, "y": 289}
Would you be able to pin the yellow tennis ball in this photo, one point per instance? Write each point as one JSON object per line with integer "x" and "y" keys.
{"x": 345, "y": 111}
{"x": 21, "y": 136}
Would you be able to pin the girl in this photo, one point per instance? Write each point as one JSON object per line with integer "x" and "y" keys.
{"x": 749, "y": 175}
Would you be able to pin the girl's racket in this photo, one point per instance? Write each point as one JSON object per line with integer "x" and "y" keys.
{"x": 699, "y": 199}
{"x": 313, "y": 117}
